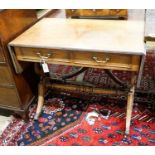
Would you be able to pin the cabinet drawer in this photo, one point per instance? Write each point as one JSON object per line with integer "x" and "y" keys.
{"x": 81, "y": 58}
{"x": 111, "y": 12}
{"x": 33, "y": 54}
{"x": 5, "y": 77}
{"x": 2, "y": 59}
{"x": 107, "y": 60}
{"x": 119, "y": 12}
{"x": 8, "y": 97}
{"x": 82, "y": 12}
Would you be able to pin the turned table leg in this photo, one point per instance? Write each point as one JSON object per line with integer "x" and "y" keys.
{"x": 130, "y": 101}
{"x": 40, "y": 100}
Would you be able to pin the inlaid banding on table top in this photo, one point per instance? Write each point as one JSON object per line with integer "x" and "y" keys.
{"x": 115, "y": 36}
{"x": 79, "y": 58}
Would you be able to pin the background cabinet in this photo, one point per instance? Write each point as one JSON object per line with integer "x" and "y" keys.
{"x": 97, "y": 13}
{"x": 15, "y": 90}
{"x": 2, "y": 59}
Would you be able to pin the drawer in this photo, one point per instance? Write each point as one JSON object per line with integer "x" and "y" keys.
{"x": 8, "y": 97}
{"x": 33, "y": 54}
{"x": 118, "y": 12}
{"x": 83, "y": 12}
{"x": 2, "y": 59}
{"x": 79, "y": 58}
{"x": 5, "y": 76}
{"x": 111, "y": 12}
{"x": 102, "y": 12}
{"x": 107, "y": 60}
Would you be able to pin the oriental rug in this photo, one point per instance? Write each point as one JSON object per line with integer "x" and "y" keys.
{"x": 63, "y": 123}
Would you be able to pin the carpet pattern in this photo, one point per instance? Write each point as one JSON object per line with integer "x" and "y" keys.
{"x": 69, "y": 126}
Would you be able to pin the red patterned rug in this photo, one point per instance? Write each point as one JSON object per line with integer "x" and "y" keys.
{"x": 64, "y": 122}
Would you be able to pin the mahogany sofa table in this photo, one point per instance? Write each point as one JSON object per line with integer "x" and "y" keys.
{"x": 106, "y": 44}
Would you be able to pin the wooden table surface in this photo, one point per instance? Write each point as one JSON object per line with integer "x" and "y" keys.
{"x": 115, "y": 36}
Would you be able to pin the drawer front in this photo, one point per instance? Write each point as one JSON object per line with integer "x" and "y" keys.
{"x": 107, "y": 60}
{"x": 34, "y": 55}
{"x": 5, "y": 77}
{"x": 2, "y": 59}
{"x": 118, "y": 12}
{"x": 79, "y": 58}
{"x": 8, "y": 97}
{"x": 111, "y": 12}
{"x": 80, "y": 12}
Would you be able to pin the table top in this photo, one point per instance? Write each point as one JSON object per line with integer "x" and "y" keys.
{"x": 114, "y": 36}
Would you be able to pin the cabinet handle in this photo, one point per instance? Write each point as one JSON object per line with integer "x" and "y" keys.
{"x": 101, "y": 61}
{"x": 42, "y": 56}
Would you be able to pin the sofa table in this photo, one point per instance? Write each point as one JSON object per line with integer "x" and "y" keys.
{"x": 106, "y": 44}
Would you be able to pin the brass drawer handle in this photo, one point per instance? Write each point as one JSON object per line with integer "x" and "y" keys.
{"x": 42, "y": 56}
{"x": 101, "y": 61}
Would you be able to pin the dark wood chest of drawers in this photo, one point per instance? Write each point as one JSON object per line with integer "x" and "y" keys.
{"x": 15, "y": 90}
